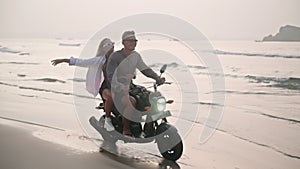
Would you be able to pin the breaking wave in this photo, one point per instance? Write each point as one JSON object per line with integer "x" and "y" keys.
{"x": 12, "y": 51}
{"x": 291, "y": 83}
{"x": 20, "y": 63}
{"x": 220, "y": 52}
{"x": 176, "y": 65}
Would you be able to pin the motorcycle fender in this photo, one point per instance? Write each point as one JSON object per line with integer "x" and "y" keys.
{"x": 164, "y": 127}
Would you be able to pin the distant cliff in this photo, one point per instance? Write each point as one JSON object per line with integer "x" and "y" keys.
{"x": 286, "y": 33}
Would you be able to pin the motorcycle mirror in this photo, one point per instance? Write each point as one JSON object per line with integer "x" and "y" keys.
{"x": 163, "y": 68}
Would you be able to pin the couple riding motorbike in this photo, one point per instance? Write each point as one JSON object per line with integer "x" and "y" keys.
{"x": 118, "y": 70}
{"x": 154, "y": 127}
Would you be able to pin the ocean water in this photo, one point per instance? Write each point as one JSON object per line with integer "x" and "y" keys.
{"x": 261, "y": 108}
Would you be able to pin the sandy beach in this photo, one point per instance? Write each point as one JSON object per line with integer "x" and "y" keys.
{"x": 41, "y": 127}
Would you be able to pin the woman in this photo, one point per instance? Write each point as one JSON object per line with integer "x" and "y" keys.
{"x": 96, "y": 66}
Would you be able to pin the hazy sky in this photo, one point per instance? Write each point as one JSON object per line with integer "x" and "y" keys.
{"x": 217, "y": 19}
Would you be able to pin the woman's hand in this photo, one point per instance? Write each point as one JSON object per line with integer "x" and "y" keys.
{"x": 58, "y": 61}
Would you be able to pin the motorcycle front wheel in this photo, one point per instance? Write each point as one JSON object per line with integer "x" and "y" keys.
{"x": 172, "y": 153}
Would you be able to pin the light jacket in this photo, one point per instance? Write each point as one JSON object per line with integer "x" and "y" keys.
{"x": 94, "y": 75}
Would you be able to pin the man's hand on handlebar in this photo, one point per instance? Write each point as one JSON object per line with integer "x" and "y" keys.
{"x": 161, "y": 81}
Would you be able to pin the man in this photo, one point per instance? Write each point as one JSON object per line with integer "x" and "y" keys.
{"x": 120, "y": 71}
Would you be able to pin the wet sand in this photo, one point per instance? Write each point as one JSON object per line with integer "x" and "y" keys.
{"x": 19, "y": 149}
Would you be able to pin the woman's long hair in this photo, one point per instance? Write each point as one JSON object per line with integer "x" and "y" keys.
{"x": 105, "y": 45}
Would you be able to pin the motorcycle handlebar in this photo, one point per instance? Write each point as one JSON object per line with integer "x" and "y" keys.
{"x": 164, "y": 83}
{"x": 168, "y": 83}
{"x": 160, "y": 84}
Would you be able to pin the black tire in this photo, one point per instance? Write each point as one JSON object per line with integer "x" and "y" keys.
{"x": 173, "y": 153}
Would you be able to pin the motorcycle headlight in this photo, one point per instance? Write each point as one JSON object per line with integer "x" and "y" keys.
{"x": 161, "y": 104}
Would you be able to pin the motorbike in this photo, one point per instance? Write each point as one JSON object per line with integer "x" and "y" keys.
{"x": 156, "y": 128}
